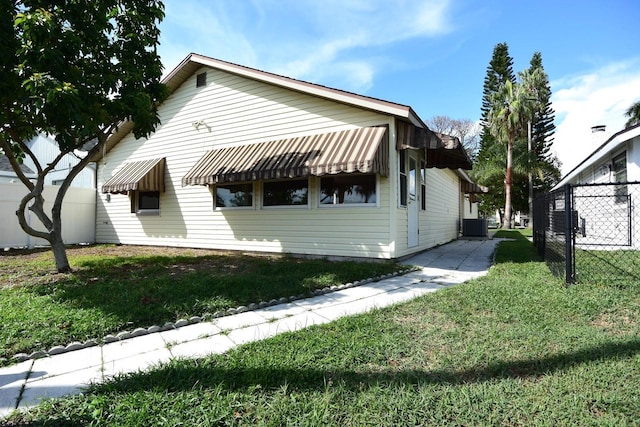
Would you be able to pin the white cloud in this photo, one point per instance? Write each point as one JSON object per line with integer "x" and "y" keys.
{"x": 341, "y": 28}
{"x": 598, "y": 98}
{"x": 317, "y": 41}
{"x": 202, "y": 27}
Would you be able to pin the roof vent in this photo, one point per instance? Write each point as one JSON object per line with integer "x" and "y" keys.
{"x": 201, "y": 79}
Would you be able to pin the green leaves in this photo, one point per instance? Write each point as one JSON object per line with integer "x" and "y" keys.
{"x": 73, "y": 57}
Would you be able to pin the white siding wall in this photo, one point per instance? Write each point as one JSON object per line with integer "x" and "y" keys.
{"x": 238, "y": 111}
{"x": 633, "y": 159}
{"x": 605, "y": 220}
{"x": 441, "y": 221}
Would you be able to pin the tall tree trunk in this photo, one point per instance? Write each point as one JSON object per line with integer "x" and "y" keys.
{"x": 60, "y": 254}
{"x": 506, "y": 221}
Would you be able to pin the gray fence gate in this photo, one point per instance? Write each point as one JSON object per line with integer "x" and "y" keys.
{"x": 590, "y": 232}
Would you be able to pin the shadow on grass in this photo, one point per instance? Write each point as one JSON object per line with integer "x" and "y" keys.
{"x": 206, "y": 374}
{"x": 154, "y": 289}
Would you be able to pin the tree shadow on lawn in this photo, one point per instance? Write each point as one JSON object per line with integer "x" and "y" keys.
{"x": 144, "y": 291}
{"x": 207, "y": 374}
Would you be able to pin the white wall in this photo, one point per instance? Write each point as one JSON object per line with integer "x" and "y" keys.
{"x": 78, "y": 215}
{"x": 440, "y": 223}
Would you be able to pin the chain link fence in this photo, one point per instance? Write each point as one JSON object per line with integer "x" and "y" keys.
{"x": 590, "y": 232}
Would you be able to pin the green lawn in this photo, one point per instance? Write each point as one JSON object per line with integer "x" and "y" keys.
{"x": 116, "y": 288}
{"x": 513, "y": 348}
{"x": 615, "y": 267}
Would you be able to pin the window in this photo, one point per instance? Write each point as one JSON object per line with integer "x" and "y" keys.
{"x": 413, "y": 178}
{"x": 620, "y": 175}
{"x": 403, "y": 179}
{"x": 348, "y": 189}
{"x": 145, "y": 202}
{"x": 285, "y": 193}
{"x": 233, "y": 195}
{"x": 423, "y": 186}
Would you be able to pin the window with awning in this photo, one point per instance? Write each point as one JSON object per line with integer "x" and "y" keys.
{"x": 143, "y": 176}
{"x": 361, "y": 150}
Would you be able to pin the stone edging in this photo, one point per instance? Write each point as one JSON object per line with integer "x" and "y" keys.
{"x": 76, "y": 345}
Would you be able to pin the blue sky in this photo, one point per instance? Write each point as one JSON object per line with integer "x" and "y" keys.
{"x": 429, "y": 54}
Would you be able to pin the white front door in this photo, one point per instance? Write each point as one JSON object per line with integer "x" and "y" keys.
{"x": 412, "y": 201}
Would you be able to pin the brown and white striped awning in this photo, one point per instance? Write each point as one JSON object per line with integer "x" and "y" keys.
{"x": 145, "y": 175}
{"x": 362, "y": 150}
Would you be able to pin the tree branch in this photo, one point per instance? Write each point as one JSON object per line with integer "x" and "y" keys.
{"x": 22, "y": 219}
{"x": 6, "y": 147}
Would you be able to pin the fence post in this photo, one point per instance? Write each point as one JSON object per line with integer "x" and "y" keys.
{"x": 568, "y": 234}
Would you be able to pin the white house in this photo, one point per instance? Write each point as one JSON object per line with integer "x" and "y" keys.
{"x": 45, "y": 149}
{"x": 606, "y": 209}
{"x": 8, "y": 175}
{"x": 252, "y": 161}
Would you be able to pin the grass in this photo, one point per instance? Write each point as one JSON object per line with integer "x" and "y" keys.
{"x": 619, "y": 267}
{"x": 120, "y": 288}
{"x": 512, "y": 348}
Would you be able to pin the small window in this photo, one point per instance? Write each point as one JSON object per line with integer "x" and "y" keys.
{"x": 403, "y": 179}
{"x": 423, "y": 186}
{"x": 286, "y": 193}
{"x": 145, "y": 202}
{"x": 233, "y": 195}
{"x": 413, "y": 178}
{"x": 201, "y": 80}
{"x": 348, "y": 190}
{"x": 620, "y": 175}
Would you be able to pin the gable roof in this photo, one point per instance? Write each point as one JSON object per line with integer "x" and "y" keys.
{"x": 5, "y": 166}
{"x": 614, "y": 141}
{"x": 194, "y": 61}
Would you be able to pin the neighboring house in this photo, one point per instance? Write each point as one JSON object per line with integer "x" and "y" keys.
{"x": 252, "y": 161}
{"x": 7, "y": 174}
{"x": 616, "y": 160}
{"x": 607, "y": 215}
{"x": 45, "y": 149}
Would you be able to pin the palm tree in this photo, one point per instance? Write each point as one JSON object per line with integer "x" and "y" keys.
{"x": 512, "y": 106}
{"x": 634, "y": 114}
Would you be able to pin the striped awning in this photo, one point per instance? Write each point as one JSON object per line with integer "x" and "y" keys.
{"x": 362, "y": 150}
{"x": 415, "y": 138}
{"x": 472, "y": 188}
{"x": 145, "y": 175}
{"x": 441, "y": 151}
{"x": 449, "y": 153}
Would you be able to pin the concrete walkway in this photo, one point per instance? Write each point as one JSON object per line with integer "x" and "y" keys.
{"x": 23, "y": 385}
